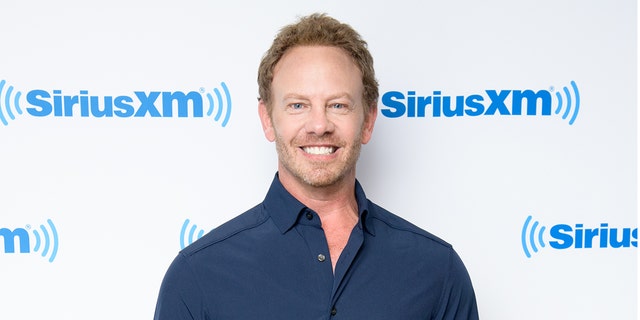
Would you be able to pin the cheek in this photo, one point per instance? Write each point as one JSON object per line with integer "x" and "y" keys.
{"x": 286, "y": 130}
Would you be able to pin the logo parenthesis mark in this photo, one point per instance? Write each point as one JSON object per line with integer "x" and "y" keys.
{"x": 523, "y": 238}
{"x": 49, "y": 240}
{"x": 220, "y": 104}
{"x": 182, "y": 233}
{"x": 6, "y": 103}
{"x": 210, "y": 98}
{"x": 185, "y": 239}
{"x": 568, "y": 95}
{"x": 54, "y": 231}
{"x": 540, "y": 240}
{"x": 192, "y": 234}
{"x": 577, "y": 108}
{"x": 559, "y": 108}
{"x": 2, "y": 117}
{"x": 572, "y": 102}
{"x": 532, "y": 235}
{"x": 228, "y": 96}
{"x": 220, "y": 100}
{"x": 36, "y": 247}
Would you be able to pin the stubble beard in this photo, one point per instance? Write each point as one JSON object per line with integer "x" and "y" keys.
{"x": 318, "y": 174}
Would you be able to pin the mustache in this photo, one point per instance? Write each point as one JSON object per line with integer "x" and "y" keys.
{"x": 316, "y": 140}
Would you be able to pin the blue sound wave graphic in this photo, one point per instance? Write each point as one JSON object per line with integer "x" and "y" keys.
{"x": 220, "y": 104}
{"x": 187, "y": 239}
{"x": 571, "y": 107}
{"x": 529, "y": 236}
{"x": 6, "y": 103}
{"x": 50, "y": 241}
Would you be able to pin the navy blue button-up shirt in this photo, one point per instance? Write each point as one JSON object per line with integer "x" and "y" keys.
{"x": 273, "y": 262}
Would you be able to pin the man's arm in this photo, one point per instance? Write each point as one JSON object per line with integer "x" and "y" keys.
{"x": 180, "y": 295}
{"x": 458, "y": 301}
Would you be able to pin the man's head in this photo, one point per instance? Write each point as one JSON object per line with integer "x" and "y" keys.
{"x": 317, "y": 103}
{"x": 319, "y": 30}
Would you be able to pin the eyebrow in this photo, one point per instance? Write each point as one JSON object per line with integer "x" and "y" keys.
{"x": 305, "y": 98}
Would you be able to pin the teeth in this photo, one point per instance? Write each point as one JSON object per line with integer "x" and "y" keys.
{"x": 319, "y": 150}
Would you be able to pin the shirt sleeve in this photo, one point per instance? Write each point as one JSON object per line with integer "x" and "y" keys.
{"x": 458, "y": 301}
{"x": 180, "y": 296}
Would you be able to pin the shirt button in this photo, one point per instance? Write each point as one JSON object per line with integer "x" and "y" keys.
{"x": 334, "y": 311}
{"x": 321, "y": 257}
{"x": 309, "y": 216}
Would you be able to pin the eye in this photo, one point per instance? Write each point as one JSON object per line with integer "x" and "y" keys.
{"x": 339, "y": 108}
{"x": 296, "y": 107}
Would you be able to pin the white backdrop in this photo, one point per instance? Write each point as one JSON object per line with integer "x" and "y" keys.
{"x": 102, "y": 204}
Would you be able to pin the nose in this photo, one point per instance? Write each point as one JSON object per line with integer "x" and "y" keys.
{"x": 318, "y": 121}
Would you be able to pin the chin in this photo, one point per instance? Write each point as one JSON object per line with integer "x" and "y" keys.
{"x": 323, "y": 178}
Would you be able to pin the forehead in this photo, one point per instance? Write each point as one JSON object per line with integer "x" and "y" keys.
{"x": 309, "y": 53}
{"x": 316, "y": 69}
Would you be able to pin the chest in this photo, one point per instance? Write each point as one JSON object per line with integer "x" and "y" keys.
{"x": 287, "y": 280}
{"x": 337, "y": 240}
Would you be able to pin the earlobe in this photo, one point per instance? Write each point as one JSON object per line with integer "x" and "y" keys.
{"x": 265, "y": 119}
{"x": 369, "y": 122}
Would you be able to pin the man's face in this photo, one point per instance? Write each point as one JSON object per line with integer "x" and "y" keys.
{"x": 317, "y": 120}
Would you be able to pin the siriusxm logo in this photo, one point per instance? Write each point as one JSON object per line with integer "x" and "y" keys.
{"x": 45, "y": 240}
{"x": 564, "y": 103}
{"x": 155, "y": 104}
{"x": 188, "y": 234}
{"x": 576, "y": 236}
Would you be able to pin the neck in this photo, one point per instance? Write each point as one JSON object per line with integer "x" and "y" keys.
{"x": 336, "y": 202}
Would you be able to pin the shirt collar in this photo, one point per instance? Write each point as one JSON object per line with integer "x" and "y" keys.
{"x": 284, "y": 209}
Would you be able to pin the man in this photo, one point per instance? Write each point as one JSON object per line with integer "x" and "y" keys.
{"x": 316, "y": 248}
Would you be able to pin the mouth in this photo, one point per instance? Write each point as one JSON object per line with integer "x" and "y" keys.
{"x": 319, "y": 150}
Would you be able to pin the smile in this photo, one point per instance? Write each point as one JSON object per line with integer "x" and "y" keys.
{"x": 317, "y": 150}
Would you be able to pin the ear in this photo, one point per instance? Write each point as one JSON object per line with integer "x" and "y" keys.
{"x": 265, "y": 119}
{"x": 369, "y": 121}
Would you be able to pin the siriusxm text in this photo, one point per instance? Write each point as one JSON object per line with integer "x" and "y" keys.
{"x": 140, "y": 104}
{"x": 492, "y": 102}
{"x": 566, "y": 236}
{"x": 9, "y": 237}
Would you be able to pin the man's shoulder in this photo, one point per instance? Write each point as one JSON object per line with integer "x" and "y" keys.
{"x": 398, "y": 225}
{"x": 248, "y": 220}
